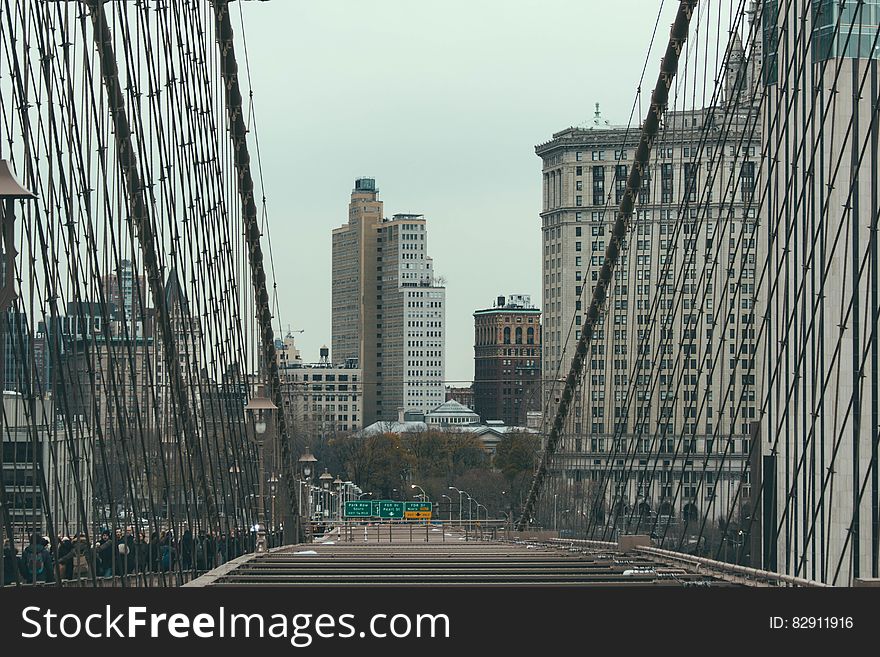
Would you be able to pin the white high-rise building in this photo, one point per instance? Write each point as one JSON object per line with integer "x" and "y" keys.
{"x": 388, "y": 308}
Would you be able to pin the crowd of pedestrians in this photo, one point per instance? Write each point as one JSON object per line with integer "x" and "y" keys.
{"x": 124, "y": 552}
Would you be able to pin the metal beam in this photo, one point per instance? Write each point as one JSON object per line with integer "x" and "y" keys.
{"x": 238, "y": 132}
{"x": 650, "y": 128}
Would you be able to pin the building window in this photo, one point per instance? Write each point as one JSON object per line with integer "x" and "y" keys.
{"x": 598, "y": 185}
{"x": 666, "y": 182}
{"x": 620, "y": 173}
{"x": 690, "y": 180}
{"x": 770, "y": 47}
{"x": 747, "y": 181}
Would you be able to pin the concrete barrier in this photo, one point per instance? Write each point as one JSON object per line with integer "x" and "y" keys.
{"x": 628, "y": 542}
{"x": 863, "y": 581}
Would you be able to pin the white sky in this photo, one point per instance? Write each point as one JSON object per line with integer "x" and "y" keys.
{"x": 443, "y": 103}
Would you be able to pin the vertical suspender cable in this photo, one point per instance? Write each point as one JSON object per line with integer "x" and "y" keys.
{"x": 146, "y": 236}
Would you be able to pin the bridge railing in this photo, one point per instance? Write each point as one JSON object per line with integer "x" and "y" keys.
{"x": 394, "y": 530}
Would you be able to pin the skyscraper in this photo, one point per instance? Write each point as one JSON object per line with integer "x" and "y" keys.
{"x": 820, "y": 355}
{"x": 388, "y": 307}
{"x": 658, "y": 374}
{"x": 507, "y": 360}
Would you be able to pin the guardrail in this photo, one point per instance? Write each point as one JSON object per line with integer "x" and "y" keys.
{"x": 377, "y": 531}
{"x": 132, "y": 580}
{"x": 730, "y": 568}
{"x": 717, "y": 567}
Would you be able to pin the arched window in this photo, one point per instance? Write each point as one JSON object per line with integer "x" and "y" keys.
{"x": 506, "y": 335}
{"x": 519, "y": 334}
{"x": 530, "y": 336}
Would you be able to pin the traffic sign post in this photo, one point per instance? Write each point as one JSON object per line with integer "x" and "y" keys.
{"x": 418, "y": 510}
{"x": 358, "y": 509}
{"x": 389, "y": 510}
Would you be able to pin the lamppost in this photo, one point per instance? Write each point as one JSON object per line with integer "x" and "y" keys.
{"x": 507, "y": 505}
{"x": 273, "y": 489}
{"x": 450, "y": 506}
{"x": 339, "y": 484}
{"x": 426, "y": 498}
{"x": 555, "y": 524}
{"x": 10, "y": 191}
{"x": 460, "y": 493}
{"x": 325, "y": 480}
{"x": 260, "y": 409}
{"x": 362, "y": 494}
{"x": 306, "y": 467}
{"x": 484, "y": 509}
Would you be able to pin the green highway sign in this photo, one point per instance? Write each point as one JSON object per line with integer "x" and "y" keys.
{"x": 374, "y": 510}
{"x": 418, "y": 510}
{"x": 358, "y": 509}
{"x": 389, "y": 509}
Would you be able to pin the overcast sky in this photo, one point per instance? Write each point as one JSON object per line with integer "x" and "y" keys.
{"x": 443, "y": 103}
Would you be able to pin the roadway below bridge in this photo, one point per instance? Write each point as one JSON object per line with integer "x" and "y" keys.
{"x": 423, "y": 554}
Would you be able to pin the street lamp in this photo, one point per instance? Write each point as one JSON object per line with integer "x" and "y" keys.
{"x": 470, "y": 513}
{"x": 10, "y": 191}
{"x": 507, "y": 505}
{"x": 260, "y": 409}
{"x": 427, "y": 499}
{"x": 306, "y": 467}
{"x": 339, "y": 484}
{"x": 450, "y": 505}
{"x": 362, "y": 494}
{"x": 325, "y": 480}
{"x": 460, "y": 493}
{"x": 555, "y": 523}
{"x": 484, "y": 509}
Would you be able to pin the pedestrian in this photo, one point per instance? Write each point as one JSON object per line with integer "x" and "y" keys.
{"x": 154, "y": 552}
{"x": 142, "y": 553}
{"x": 77, "y": 561}
{"x": 64, "y": 547}
{"x": 10, "y": 563}
{"x": 186, "y": 549}
{"x": 221, "y": 550}
{"x": 201, "y": 550}
{"x": 211, "y": 551}
{"x": 106, "y": 554}
{"x": 36, "y": 561}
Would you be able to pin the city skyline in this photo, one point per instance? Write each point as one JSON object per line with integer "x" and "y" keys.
{"x": 400, "y": 120}
{"x": 704, "y": 342}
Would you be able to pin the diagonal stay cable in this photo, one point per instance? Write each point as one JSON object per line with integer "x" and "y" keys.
{"x": 650, "y": 128}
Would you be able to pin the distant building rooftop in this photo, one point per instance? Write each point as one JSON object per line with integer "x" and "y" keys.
{"x": 517, "y": 302}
